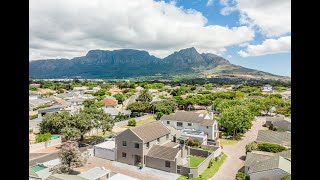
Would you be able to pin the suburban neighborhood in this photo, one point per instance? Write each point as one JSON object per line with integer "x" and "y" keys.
{"x": 96, "y": 129}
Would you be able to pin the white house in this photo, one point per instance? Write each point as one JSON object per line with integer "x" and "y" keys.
{"x": 190, "y": 121}
{"x": 267, "y": 88}
{"x": 105, "y": 150}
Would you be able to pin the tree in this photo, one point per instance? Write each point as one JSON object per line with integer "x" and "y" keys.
{"x": 132, "y": 122}
{"x": 71, "y": 133}
{"x": 139, "y": 106}
{"x": 70, "y": 158}
{"x": 54, "y": 122}
{"x": 88, "y": 102}
{"x": 43, "y": 137}
{"x": 101, "y": 92}
{"x": 145, "y": 96}
{"x": 33, "y": 88}
{"x": 83, "y": 122}
{"x": 236, "y": 119}
{"x": 269, "y": 103}
{"x": 287, "y": 177}
{"x": 119, "y": 97}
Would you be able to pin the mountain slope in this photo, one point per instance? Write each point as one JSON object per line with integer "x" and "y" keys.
{"x": 128, "y": 63}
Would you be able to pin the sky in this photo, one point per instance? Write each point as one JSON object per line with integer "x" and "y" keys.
{"x": 251, "y": 33}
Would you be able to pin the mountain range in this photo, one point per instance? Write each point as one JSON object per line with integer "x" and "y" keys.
{"x": 130, "y": 63}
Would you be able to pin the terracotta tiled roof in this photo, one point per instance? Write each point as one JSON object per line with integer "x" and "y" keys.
{"x": 150, "y": 131}
{"x": 44, "y": 91}
{"x": 108, "y": 101}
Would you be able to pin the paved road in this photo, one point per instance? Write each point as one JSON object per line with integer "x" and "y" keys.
{"x": 51, "y": 156}
{"x": 236, "y": 153}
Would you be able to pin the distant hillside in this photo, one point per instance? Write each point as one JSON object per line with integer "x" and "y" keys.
{"x": 130, "y": 63}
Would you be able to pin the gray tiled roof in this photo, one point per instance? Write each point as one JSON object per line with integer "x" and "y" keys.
{"x": 202, "y": 119}
{"x": 282, "y": 138}
{"x": 285, "y": 154}
{"x": 150, "y": 131}
{"x": 163, "y": 152}
{"x": 261, "y": 161}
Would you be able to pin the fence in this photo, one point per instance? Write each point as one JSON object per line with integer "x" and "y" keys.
{"x": 44, "y": 145}
{"x": 196, "y": 171}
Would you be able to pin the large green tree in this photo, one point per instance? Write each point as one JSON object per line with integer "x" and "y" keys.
{"x": 54, "y": 122}
{"x": 145, "y": 96}
{"x": 236, "y": 119}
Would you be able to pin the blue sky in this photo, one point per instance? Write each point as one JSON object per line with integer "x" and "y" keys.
{"x": 279, "y": 63}
{"x": 251, "y": 33}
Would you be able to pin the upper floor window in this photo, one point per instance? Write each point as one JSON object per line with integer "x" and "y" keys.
{"x": 147, "y": 144}
{"x": 207, "y": 127}
{"x": 168, "y": 122}
{"x": 189, "y": 124}
{"x": 158, "y": 140}
{"x": 124, "y": 143}
{"x": 179, "y": 124}
{"x": 136, "y": 145}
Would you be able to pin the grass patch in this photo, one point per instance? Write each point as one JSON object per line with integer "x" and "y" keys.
{"x": 228, "y": 142}
{"x": 145, "y": 121}
{"x": 195, "y": 161}
{"x": 209, "y": 172}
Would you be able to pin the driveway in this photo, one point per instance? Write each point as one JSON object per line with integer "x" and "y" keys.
{"x": 236, "y": 153}
{"x": 117, "y": 167}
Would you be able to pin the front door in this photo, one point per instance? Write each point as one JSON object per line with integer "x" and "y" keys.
{"x": 174, "y": 139}
{"x": 137, "y": 159}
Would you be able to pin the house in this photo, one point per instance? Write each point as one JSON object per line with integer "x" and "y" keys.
{"x": 39, "y": 102}
{"x": 265, "y": 165}
{"x": 83, "y": 88}
{"x": 54, "y": 108}
{"x": 274, "y": 137}
{"x": 119, "y": 176}
{"x": 35, "y": 85}
{"x": 95, "y": 173}
{"x": 115, "y": 90}
{"x": 39, "y": 171}
{"x": 286, "y": 94}
{"x": 139, "y": 88}
{"x": 132, "y": 144}
{"x": 191, "y": 121}
{"x": 45, "y": 91}
{"x": 76, "y": 100}
{"x": 280, "y": 123}
{"x": 105, "y": 150}
{"x": 267, "y": 88}
{"x": 109, "y": 102}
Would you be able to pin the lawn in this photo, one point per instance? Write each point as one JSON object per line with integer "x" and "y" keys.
{"x": 150, "y": 119}
{"x": 228, "y": 142}
{"x": 209, "y": 172}
{"x": 195, "y": 161}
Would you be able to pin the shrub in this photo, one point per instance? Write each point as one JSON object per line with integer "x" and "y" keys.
{"x": 288, "y": 177}
{"x": 253, "y": 146}
{"x": 241, "y": 176}
{"x": 210, "y": 163}
{"x": 132, "y": 122}
{"x": 268, "y": 147}
{"x": 43, "y": 137}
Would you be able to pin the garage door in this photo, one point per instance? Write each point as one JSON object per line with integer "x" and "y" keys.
{"x": 104, "y": 153}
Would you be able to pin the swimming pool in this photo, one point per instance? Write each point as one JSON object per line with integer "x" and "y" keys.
{"x": 55, "y": 137}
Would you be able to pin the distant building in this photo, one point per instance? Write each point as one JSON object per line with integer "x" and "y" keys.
{"x": 109, "y": 102}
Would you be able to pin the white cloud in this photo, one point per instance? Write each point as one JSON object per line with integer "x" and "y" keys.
{"x": 272, "y": 17}
{"x": 209, "y": 3}
{"x": 60, "y": 28}
{"x": 269, "y": 46}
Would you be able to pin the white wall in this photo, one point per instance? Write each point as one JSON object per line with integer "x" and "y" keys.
{"x": 105, "y": 153}
{"x": 43, "y": 145}
{"x": 196, "y": 126}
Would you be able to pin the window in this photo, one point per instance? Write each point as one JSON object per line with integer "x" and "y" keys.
{"x": 179, "y": 124}
{"x": 136, "y": 145}
{"x": 168, "y": 122}
{"x": 147, "y": 144}
{"x": 124, "y": 154}
{"x": 124, "y": 143}
{"x": 158, "y": 140}
{"x": 167, "y": 164}
{"x": 207, "y": 127}
{"x": 189, "y": 124}
{"x": 167, "y": 136}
